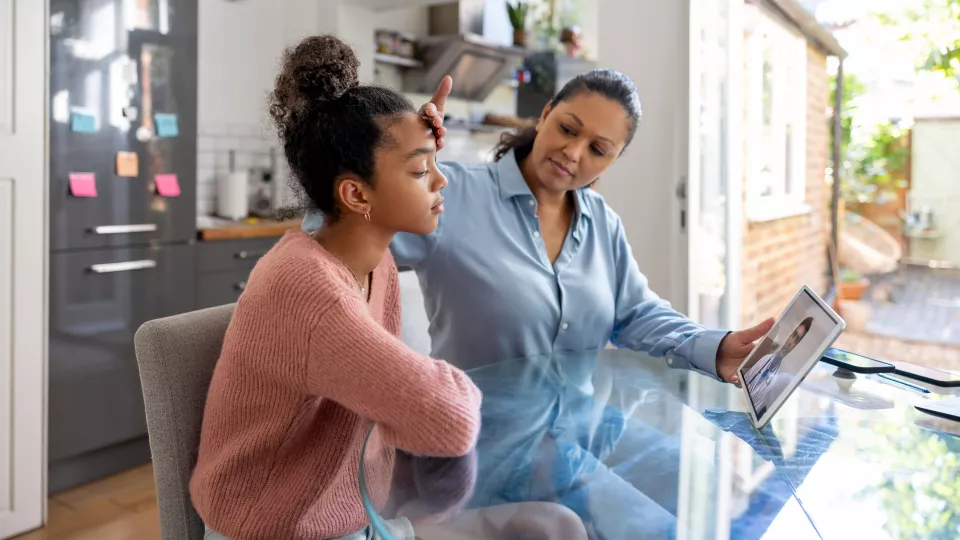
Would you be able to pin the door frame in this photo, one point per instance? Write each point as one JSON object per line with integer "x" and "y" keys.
{"x": 686, "y": 287}
{"x": 24, "y": 89}
{"x": 701, "y": 515}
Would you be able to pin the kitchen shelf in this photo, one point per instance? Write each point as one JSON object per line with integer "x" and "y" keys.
{"x": 397, "y": 60}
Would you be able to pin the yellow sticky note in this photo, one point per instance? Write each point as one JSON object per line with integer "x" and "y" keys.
{"x": 128, "y": 164}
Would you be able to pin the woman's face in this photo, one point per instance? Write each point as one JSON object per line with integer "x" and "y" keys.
{"x": 795, "y": 338}
{"x": 577, "y": 140}
{"x": 407, "y": 183}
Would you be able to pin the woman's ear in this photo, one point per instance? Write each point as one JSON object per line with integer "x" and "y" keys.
{"x": 544, "y": 113}
{"x": 352, "y": 193}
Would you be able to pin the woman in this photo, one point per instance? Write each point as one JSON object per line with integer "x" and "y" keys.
{"x": 312, "y": 356}
{"x": 529, "y": 262}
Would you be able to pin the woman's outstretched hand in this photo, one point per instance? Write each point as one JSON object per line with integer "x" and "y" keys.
{"x": 432, "y": 112}
{"x": 735, "y": 347}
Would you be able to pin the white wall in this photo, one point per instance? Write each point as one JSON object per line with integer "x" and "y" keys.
{"x": 240, "y": 49}
{"x": 239, "y": 46}
{"x": 934, "y": 184}
{"x": 648, "y": 41}
{"x": 241, "y": 43}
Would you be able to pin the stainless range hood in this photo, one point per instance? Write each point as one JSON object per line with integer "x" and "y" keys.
{"x": 470, "y": 46}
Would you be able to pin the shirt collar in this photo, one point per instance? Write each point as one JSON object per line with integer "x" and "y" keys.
{"x": 510, "y": 178}
{"x": 512, "y": 184}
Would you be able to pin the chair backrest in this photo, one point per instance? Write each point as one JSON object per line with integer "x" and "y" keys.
{"x": 176, "y": 356}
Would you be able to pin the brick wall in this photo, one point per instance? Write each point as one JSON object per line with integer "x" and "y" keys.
{"x": 781, "y": 255}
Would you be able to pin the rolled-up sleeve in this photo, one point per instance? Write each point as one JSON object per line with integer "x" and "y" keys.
{"x": 646, "y": 323}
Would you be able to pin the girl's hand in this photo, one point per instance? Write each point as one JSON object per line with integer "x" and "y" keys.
{"x": 432, "y": 112}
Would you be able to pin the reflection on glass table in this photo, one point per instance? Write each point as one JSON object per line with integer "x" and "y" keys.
{"x": 636, "y": 450}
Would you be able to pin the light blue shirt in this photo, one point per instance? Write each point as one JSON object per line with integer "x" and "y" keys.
{"x": 491, "y": 293}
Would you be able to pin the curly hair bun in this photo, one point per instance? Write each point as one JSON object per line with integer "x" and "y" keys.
{"x": 320, "y": 69}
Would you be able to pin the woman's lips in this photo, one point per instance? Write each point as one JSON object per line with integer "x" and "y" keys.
{"x": 560, "y": 169}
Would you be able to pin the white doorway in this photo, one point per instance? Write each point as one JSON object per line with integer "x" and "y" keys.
{"x": 678, "y": 187}
{"x": 23, "y": 274}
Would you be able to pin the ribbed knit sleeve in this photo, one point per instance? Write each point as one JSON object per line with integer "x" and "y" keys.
{"x": 424, "y": 406}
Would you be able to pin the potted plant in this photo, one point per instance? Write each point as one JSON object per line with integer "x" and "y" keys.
{"x": 852, "y": 285}
{"x": 518, "y": 20}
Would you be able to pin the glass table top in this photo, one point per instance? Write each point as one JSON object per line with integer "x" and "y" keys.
{"x": 636, "y": 450}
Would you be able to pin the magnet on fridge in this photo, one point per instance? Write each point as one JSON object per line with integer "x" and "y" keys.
{"x": 83, "y": 184}
{"x": 128, "y": 164}
{"x": 167, "y": 185}
{"x": 82, "y": 122}
{"x": 144, "y": 134}
{"x": 167, "y": 125}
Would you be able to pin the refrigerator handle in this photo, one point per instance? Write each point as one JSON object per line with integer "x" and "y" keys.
{"x": 125, "y": 229}
{"x": 127, "y": 266}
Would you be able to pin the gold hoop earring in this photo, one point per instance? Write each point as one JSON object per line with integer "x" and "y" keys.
{"x": 367, "y": 216}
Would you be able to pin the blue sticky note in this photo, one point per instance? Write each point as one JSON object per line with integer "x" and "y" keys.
{"x": 167, "y": 125}
{"x": 81, "y": 122}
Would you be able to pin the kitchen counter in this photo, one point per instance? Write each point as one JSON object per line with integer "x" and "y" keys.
{"x": 211, "y": 228}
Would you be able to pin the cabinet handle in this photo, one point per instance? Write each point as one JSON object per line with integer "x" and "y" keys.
{"x": 241, "y": 286}
{"x": 127, "y": 266}
{"x": 125, "y": 229}
{"x": 250, "y": 254}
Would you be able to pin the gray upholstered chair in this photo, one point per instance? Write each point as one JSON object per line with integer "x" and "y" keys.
{"x": 176, "y": 357}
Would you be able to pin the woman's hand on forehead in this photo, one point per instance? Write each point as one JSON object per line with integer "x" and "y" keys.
{"x": 432, "y": 111}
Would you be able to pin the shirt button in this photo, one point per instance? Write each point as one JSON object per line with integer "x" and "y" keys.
{"x": 564, "y": 326}
{"x": 531, "y": 202}
{"x": 670, "y": 361}
{"x": 536, "y": 234}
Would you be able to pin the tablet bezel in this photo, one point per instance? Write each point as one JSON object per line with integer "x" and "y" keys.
{"x": 838, "y": 329}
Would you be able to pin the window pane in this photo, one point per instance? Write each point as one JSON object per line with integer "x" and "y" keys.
{"x": 769, "y": 168}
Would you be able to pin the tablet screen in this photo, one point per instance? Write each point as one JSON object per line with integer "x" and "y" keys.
{"x": 784, "y": 356}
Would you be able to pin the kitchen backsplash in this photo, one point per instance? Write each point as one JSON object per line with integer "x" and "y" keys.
{"x": 251, "y": 144}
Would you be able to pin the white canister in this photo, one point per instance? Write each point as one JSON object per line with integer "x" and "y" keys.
{"x": 232, "y": 202}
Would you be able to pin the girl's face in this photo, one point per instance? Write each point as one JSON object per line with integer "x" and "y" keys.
{"x": 407, "y": 183}
{"x": 577, "y": 140}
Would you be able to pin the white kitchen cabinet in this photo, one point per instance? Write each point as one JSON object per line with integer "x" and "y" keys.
{"x": 23, "y": 248}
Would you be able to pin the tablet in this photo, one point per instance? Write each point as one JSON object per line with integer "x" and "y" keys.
{"x": 780, "y": 361}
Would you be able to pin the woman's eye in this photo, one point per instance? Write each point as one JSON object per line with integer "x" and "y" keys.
{"x": 566, "y": 130}
{"x": 597, "y": 151}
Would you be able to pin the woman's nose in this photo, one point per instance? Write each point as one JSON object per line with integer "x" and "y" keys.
{"x": 573, "y": 150}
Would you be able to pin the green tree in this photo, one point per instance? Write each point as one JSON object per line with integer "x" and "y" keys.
{"x": 933, "y": 26}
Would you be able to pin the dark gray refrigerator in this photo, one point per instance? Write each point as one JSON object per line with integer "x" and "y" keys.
{"x": 123, "y": 116}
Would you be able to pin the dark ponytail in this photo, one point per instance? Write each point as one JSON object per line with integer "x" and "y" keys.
{"x": 521, "y": 142}
{"x": 605, "y": 82}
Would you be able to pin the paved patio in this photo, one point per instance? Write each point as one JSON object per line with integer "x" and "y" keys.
{"x": 924, "y": 307}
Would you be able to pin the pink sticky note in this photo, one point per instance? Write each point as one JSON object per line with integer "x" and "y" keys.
{"x": 167, "y": 185}
{"x": 83, "y": 184}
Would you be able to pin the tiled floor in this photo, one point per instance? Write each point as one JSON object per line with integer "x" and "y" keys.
{"x": 925, "y": 307}
{"x": 123, "y": 507}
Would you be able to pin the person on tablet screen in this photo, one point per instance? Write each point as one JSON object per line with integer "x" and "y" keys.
{"x": 760, "y": 376}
